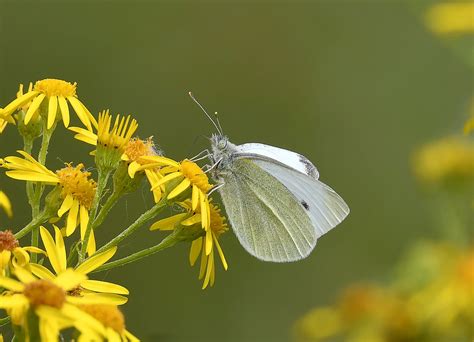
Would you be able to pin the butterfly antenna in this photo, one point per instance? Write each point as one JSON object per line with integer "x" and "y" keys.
{"x": 205, "y": 112}
{"x": 218, "y": 123}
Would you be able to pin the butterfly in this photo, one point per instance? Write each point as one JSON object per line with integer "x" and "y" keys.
{"x": 273, "y": 198}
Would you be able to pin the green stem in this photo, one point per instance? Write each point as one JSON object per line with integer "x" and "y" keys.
{"x": 147, "y": 215}
{"x": 169, "y": 241}
{"x": 4, "y": 321}
{"x": 46, "y": 138}
{"x": 104, "y": 211}
{"x": 34, "y": 224}
{"x": 102, "y": 180}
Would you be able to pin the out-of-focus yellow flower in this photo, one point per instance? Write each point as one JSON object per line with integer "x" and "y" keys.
{"x": 450, "y": 159}
{"x": 469, "y": 126}
{"x": 103, "y": 323}
{"x": 451, "y": 17}
{"x": 6, "y": 204}
{"x": 55, "y": 94}
{"x": 10, "y": 251}
{"x": 77, "y": 190}
{"x": 109, "y": 139}
{"x": 203, "y": 244}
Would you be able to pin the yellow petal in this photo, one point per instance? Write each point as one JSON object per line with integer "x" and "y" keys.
{"x": 51, "y": 250}
{"x": 52, "y": 110}
{"x": 103, "y": 286}
{"x": 23, "y": 275}
{"x": 208, "y": 243}
{"x": 133, "y": 168}
{"x": 192, "y": 220}
{"x": 81, "y": 113}
{"x": 15, "y": 300}
{"x": 84, "y": 135}
{"x": 10, "y": 284}
{"x": 98, "y": 298}
{"x": 41, "y": 272}
{"x": 195, "y": 250}
{"x": 34, "y": 107}
{"x": 195, "y": 198}
{"x": 180, "y": 188}
{"x": 210, "y": 267}
{"x": 204, "y": 260}
{"x": 91, "y": 246}
{"x": 66, "y": 205}
{"x": 18, "y": 102}
{"x": 64, "y": 110}
{"x": 72, "y": 218}
{"x": 221, "y": 253}
{"x": 60, "y": 248}
{"x": 204, "y": 221}
{"x": 32, "y": 176}
{"x": 168, "y": 223}
{"x": 166, "y": 178}
{"x": 84, "y": 218}
{"x": 96, "y": 260}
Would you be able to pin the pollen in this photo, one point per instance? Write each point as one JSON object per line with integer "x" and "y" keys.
{"x": 8, "y": 241}
{"x": 109, "y": 315}
{"x": 137, "y": 148}
{"x": 218, "y": 224}
{"x": 76, "y": 182}
{"x": 45, "y": 292}
{"x": 53, "y": 87}
{"x": 196, "y": 175}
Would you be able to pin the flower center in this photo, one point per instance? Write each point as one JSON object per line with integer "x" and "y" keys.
{"x": 77, "y": 183}
{"x": 137, "y": 148}
{"x": 109, "y": 315}
{"x": 196, "y": 175}
{"x": 52, "y": 87}
{"x": 218, "y": 224}
{"x": 8, "y": 241}
{"x": 45, "y": 292}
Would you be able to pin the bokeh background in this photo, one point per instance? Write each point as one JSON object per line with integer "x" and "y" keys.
{"x": 353, "y": 85}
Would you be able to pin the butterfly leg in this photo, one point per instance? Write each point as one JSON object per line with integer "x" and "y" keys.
{"x": 201, "y": 155}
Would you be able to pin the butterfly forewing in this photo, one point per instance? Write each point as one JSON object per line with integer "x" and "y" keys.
{"x": 268, "y": 221}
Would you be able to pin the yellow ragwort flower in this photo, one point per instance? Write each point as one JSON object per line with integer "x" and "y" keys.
{"x": 54, "y": 300}
{"x": 447, "y": 159}
{"x": 77, "y": 190}
{"x": 451, "y": 17}
{"x": 185, "y": 174}
{"x": 110, "y": 140}
{"x": 134, "y": 154}
{"x": 104, "y": 323}
{"x": 6, "y": 204}
{"x": 10, "y": 251}
{"x": 55, "y": 94}
{"x": 56, "y": 251}
{"x": 203, "y": 245}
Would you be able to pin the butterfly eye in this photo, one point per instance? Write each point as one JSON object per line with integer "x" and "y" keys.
{"x": 222, "y": 144}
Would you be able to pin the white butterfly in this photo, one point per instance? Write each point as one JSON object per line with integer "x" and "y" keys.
{"x": 274, "y": 201}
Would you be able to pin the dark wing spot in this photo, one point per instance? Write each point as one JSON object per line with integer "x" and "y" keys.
{"x": 310, "y": 168}
{"x": 305, "y": 205}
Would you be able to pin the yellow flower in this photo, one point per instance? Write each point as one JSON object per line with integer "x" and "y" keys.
{"x": 184, "y": 175}
{"x": 6, "y": 204}
{"x": 445, "y": 160}
{"x": 10, "y": 251}
{"x": 56, "y": 251}
{"x": 77, "y": 190}
{"x": 134, "y": 154}
{"x": 469, "y": 126}
{"x": 52, "y": 300}
{"x": 103, "y": 323}
{"x": 110, "y": 140}
{"x": 451, "y": 17}
{"x": 203, "y": 245}
{"x": 55, "y": 94}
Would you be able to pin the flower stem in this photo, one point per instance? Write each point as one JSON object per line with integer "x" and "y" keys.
{"x": 34, "y": 224}
{"x": 108, "y": 205}
{"x": 169, "y": 241}
{"x": 102, "y": 180}
{"x": 147, "y": 215}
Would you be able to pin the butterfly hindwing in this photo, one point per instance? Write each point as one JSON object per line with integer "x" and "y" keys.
{"x": 322, "y": 204}
{"x": 266, "y": 217}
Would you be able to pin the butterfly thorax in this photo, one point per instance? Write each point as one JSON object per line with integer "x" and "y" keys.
{"x": 222, "y": 154}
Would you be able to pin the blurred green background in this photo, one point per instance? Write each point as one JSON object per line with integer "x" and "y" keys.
{"x": 353, "y": 85}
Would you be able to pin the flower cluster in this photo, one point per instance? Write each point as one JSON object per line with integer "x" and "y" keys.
{"x": 45, "y": 287}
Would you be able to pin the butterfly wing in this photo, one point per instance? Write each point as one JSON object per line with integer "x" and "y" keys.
{"x": 265, "y": 216}
{"x": 323, "y": 205}
{"x": 278, "y": 155}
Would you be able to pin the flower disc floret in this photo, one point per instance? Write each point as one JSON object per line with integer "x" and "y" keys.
{"x": 76, "y": 182}
{"x": 44, "y": 292}
{"x": 8, "y": 242}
